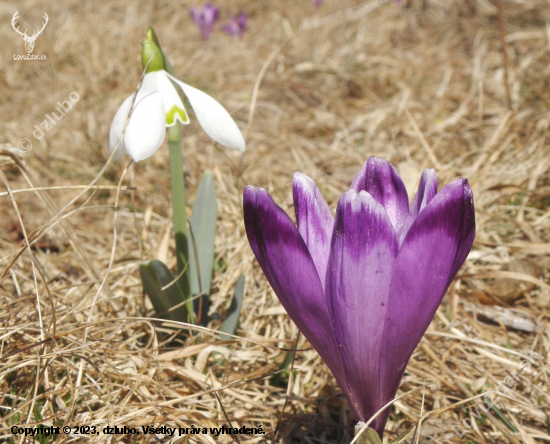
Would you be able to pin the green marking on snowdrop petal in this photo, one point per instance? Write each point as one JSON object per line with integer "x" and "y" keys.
{"x": 176, "y": 113}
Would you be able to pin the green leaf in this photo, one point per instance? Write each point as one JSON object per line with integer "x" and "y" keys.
{"x": 201, "y": 244}
{"x": 276, "y": 379}
{"x": 373, "y": 436}
{"x": 402, "y": 436}
{"x": 504, "y": 419}
{"x": 159, "y": 284}
{"x": 369, "y": 436}
{"x": 232, "y": 319}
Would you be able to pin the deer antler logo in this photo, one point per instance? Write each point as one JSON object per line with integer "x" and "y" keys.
{"x": 29, "y": 40}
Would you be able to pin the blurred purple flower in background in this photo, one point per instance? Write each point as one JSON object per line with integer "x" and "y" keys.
{"x": 317, "y": 3}
{"x": 236, "y": 26}
{"x": 205, "y": 18}
{"x": 363, "y": 286}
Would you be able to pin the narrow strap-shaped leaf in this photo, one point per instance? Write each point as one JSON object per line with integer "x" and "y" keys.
{"x": 163, "y": 290}
{"x": 201, "y": 245}
{"x": 276, "y": 379}
{"x": 232, "y": 319}
{"x": 369, "y": 436}
{"x": 402, "y": 436}
{"x": 504, "y": 419}
{"x": 373, "y": 436}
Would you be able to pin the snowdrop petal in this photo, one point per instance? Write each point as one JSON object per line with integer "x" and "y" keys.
{"x": 146, "y": 129}
{"x": 214, "y": 119}
{"x": 173, "y": 106}
{"x": 117, "y": 127}
{"x": 148, "y": 87}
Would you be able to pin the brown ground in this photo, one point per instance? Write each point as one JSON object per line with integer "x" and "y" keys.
{"x": 422, "y": 85}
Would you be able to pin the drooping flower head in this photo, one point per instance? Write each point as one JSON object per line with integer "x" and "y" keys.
{"x": 158, "y": 105}
{"x": 236, "y": 26}
{"x": 205, "y": 18}
{"x": 363, "y": 286}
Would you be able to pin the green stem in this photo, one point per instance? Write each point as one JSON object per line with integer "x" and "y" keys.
{"x": 180, "y": 218}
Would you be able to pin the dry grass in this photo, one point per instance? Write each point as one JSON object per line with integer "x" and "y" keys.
{"x": 420, "y": 85}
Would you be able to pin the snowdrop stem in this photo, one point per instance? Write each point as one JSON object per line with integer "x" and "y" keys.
{"x": 180, "y": 217}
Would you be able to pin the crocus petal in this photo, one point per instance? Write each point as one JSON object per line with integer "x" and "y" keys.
{"x": 242, "y": 20}
{"x": 363, "y": 249}
{"x": 173, "y": 106}
{"x": 289, "y": 268}
{"x": 236, "y": 26}
{"x": 314, "y": 220}
{"x": 432, "y": 252}
{"x": 205, "y": 18}
{"x": 378, "y": 178}
{"x": 214, "y": 119}
{"x": 232, "y": 27}
{"x": 427, "y": 189}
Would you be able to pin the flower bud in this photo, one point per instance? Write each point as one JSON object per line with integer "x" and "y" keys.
{"x": 151, "y": 49}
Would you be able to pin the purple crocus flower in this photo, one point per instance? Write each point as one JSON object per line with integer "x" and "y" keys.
{"x": 205, "y": 18}
{"x": 363, "y": 286}
{"x": 236, "y": 26}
